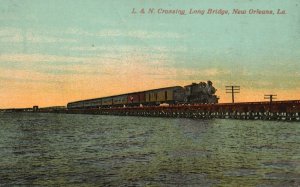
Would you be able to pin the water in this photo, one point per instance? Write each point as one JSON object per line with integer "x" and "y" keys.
{"x": 76, "y": 150}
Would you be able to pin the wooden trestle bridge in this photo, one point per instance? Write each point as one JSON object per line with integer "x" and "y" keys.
{"x": 276, "y": 110}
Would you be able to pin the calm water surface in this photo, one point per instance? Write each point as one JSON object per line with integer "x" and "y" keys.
{"x": 76, "y": 150}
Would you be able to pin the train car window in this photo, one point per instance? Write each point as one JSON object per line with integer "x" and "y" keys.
{"x": 166, "y": 95}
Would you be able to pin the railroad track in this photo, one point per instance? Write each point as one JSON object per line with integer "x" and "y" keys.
{"x": 277, "y": 110}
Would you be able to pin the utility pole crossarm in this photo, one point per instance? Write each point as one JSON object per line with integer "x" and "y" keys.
{"x": 232, "y": 90}
{"x": 270, "y": 97}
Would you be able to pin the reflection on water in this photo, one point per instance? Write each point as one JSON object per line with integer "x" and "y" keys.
{"x": 60, "y": 149}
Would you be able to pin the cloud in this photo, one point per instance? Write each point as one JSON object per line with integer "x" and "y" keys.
{"x": 141, "y": 34}
{"x": 33, "y": 58}
{"x": 79, "y": 32}
{"x": 215, "y": 71}
{"x": 15, "y": 35}
{"x": 8, "y": 34}
{"x": 7, "y": 31}
{"x": 148, "y": 65}
{"x": 24, "y": 76}
{"x": 127, "y": 48}
{"x": 16, "y": 38}
{"x": 33, "y": 38}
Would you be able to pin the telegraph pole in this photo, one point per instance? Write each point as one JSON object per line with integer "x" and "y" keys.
{"x": 232, "y": 90}
{"x": 270, "y": 97}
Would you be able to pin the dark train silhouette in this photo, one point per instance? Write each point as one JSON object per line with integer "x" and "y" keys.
{"x": 194, "y": 93}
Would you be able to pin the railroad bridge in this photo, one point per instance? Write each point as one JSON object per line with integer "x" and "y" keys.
{"x": 276, "y": 110}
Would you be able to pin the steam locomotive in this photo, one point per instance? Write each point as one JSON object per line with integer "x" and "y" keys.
{"x": 202, "y": 92}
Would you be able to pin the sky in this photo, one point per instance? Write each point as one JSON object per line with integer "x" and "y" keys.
{"x": 54, "y": 52}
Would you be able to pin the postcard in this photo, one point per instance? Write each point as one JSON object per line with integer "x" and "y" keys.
{"x": 187, "y": 93}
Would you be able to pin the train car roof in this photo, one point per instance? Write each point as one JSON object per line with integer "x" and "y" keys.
{"x": 157, "y": 89}
{"x": 163, "y": 88}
